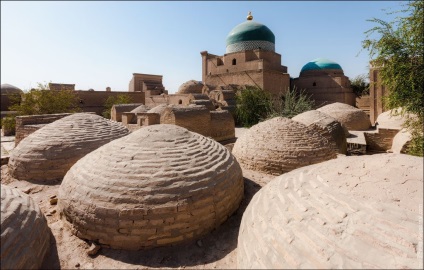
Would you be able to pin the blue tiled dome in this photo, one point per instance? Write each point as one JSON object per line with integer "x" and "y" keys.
{"x": 250, "y": 35}
{"x": 319, "y": 64}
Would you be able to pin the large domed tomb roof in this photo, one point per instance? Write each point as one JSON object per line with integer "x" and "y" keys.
{"x": 160, "y": 185}
{"x": 25, "y": 235}
{"x": 48, "y": 153}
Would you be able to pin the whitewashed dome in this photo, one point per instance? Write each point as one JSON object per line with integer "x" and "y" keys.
{"x": 160, "y": 185}
{"x": 25, "y": 236}
{"x": 356, "y": 212}
{"x": 48, "y": 153}
{"x": 280, "y": 145}
{"x": 328, "y": 125}
{"x": 352, "y": 118}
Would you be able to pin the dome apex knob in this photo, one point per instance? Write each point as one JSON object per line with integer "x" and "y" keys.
{"x": 249, "y": 16}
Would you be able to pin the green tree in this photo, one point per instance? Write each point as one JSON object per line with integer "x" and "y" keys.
{"x": 360, "y": 85}
{"x": 43, "y": 101}
{"x": 114, "y": 100}
{"x": 398, "y": 52}
{"x": 253, "y": 106}
{"x": 292, "y": 103}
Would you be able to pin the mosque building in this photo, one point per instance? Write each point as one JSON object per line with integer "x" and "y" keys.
{"x": 250, "y": 59}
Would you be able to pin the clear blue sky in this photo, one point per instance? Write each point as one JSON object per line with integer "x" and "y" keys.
{"x": 100, "y": 44}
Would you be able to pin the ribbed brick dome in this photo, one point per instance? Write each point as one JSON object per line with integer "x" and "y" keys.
{"x": 25, "y": 236}
{"x": 160, "y": 185}
{"x": 351, "y": 212}
{"x": 352, "y": 118}
{"x": 328, "y": 125}
{"x": 280, "y": 145}
{"x": 48, "y": 153}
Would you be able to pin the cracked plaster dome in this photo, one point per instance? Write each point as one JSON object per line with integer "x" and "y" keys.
{"x": 25, "y": 236}
{"x": 280, "y": 145}
{"x": 320, "y": 64}
{"x": 191, "y": 87}
{"x": 250, "y": 35}
{"x": 160, "y": 185}
{"x": 353, "y": 212}
{"x": 48, "y": 153}
{"x": 352, "y": 118}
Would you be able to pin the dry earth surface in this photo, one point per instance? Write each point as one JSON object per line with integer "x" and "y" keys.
{"x": 216, "y": 250}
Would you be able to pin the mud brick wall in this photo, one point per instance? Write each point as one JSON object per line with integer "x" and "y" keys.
{"x": 380, "y": 141}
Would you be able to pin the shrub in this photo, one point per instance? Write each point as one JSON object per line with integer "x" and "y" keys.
{"x": 360, "y": 85}
{"x": 253, "y": 106}
{"x": 114, "y": 100}
{"x": 43, "y": 101}
{"x": 292, "y": 103}
{"x": 8, "y": 125}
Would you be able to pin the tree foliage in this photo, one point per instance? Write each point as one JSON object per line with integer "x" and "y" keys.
{"x": 360, "y": 85}
{"x": 292, "y": 103}
{"x": 43, "y": 101}
{"x": 398, "y": 53}
{"x": 255, "y": 105}
{"x": 114, "y": 100}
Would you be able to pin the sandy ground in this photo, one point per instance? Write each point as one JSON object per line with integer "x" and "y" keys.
{"x": 218, "y": 249}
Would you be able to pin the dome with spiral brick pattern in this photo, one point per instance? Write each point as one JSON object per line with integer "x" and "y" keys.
{"x": 280, "y": 145}
{"x": 25, "y": 236}
{"x": 48, "y": 153}
{"x": 160, "y": 185}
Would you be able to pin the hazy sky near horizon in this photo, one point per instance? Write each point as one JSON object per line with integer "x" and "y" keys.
{"x": 98, "y": 44}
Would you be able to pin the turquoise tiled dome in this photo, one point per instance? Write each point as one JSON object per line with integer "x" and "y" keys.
{"x": 321, "y": 63}
{"x": 250, "y": 35}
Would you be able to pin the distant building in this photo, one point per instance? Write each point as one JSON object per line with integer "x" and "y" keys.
{"x": 61, "y": 86}
{"x": 325, "y": 82}
{"x": 250, "y": 59}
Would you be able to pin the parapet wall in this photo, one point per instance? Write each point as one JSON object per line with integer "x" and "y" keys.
{"x": 94, "y": 101}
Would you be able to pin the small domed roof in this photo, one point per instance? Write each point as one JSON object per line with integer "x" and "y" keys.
{"x": 280, "y": 145}
{"x": 25, "y": 236}
{"x": 191, "y": 87}
{"x": 352, "y": 118}
{"x": 141, "y": 109}
{"x": 48, "y": 153}
{"x": 393, "y": 119}
{"x": 328, "y": 125}
{"x": 250, "y": 35}
{"x": 319, "y": 64}
{"x": 10, "y": 89}
{"x": 160, "y": 185}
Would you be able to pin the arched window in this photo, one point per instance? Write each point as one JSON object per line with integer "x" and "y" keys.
{"x": 180, "y": 101}
{"x": 314, "y": 84}
{"x": 234, "y": 62}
